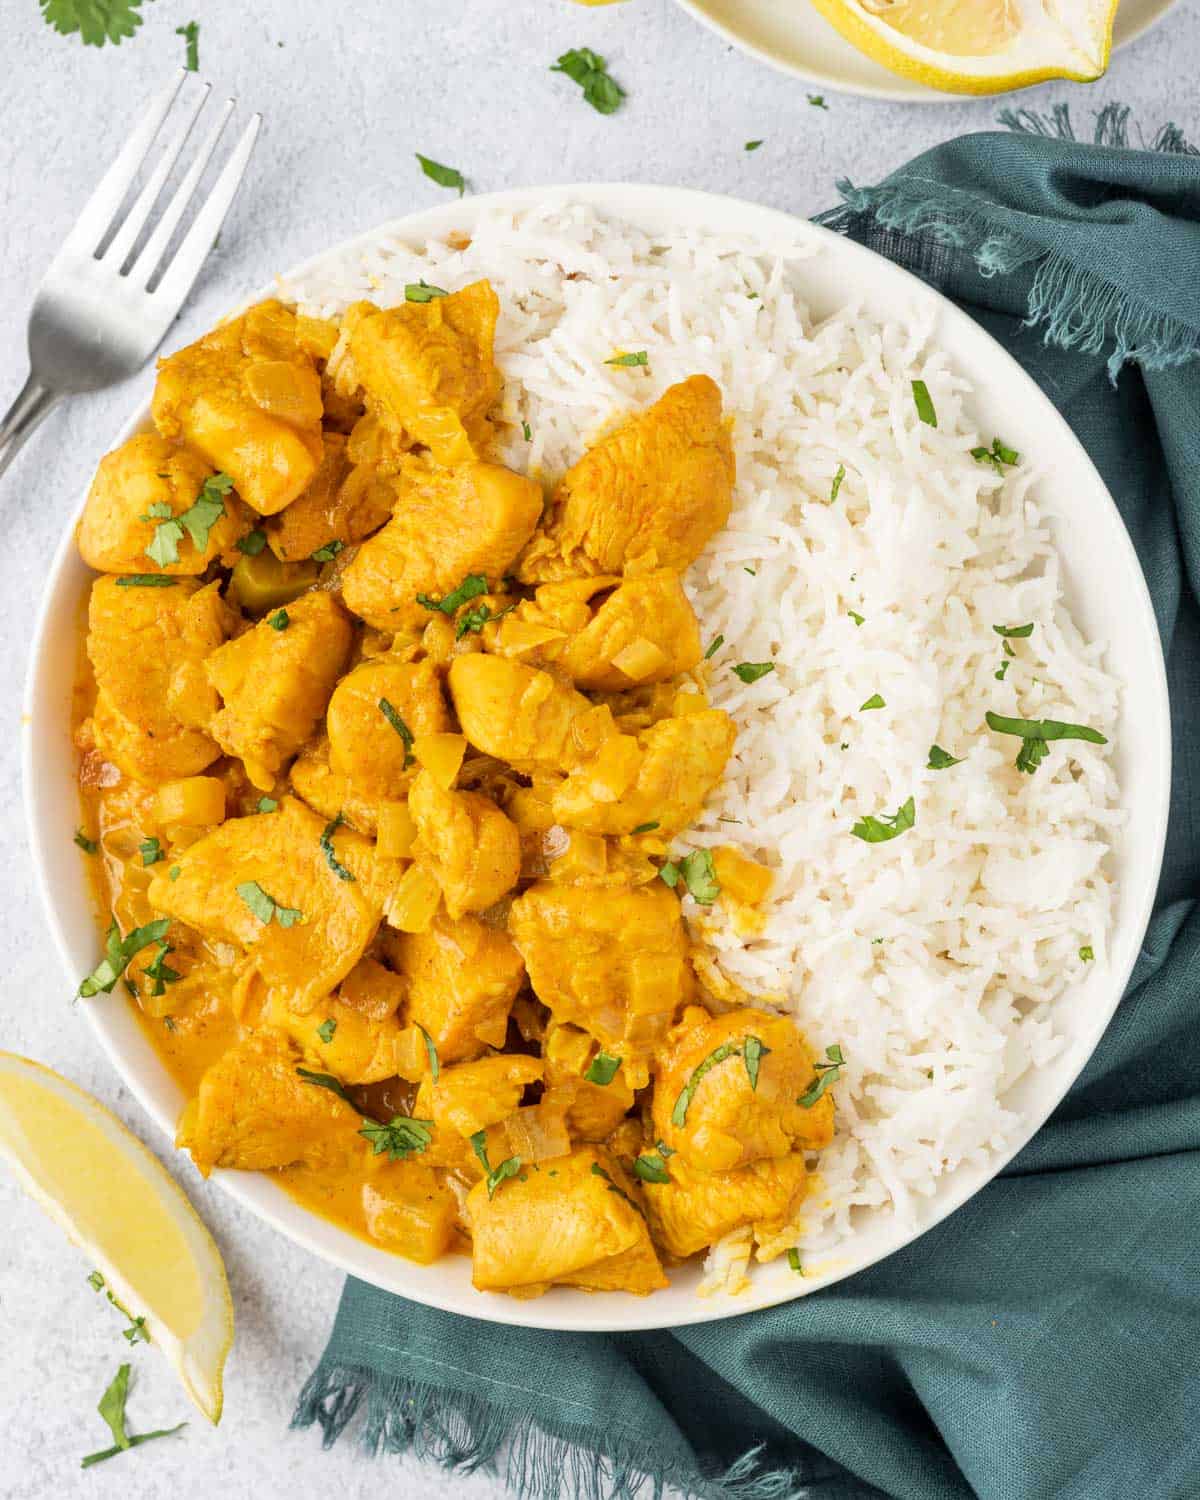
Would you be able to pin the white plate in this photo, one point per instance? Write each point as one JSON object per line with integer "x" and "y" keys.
{"x": 1108, "y": 597}
{"x": 794, "y": 37}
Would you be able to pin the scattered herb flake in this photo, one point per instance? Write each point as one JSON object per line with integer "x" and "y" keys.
{"x": 687, "y": 1093}
{"x": 997, "y": 455}
{"x": 753, "y": 1052}
{"x": 1086, "y": 953}
{"x": 1001, "y": 671}
{"x": 587, "y": 69}
{"x": 96, "y": 21}
{"x": 836, "y": 486}
{"x": 941, "y": 760}
{"x": 146, "y": 581}
{"x": 603, "y": 1069}
{"x": 151, "y": 851}
{"x": 470, "y": 588}
{"x": 613, "y": 1187}
{"x": 669, "y": 874}
{"x": 646, "y": 828}
{"x": 197, "y": 521}
{"x": 526, "y": 431}
{"x": 267, "y": 804}
{"x": 326, "y": 843}
{"x": 700, "y": 876}
{"x": 174, "y": 873}
{"x": 817, "y": 101}
{"x": 793, "y": 1260}
{"x": 252, "y": 543}
{"x": 96, "y": 1281}
{"x": 628, "y": 361}
{"x": 879, "y": 830}
{"x": 435, "y": 1067}
{"x": 1014, "y": 632}
{"x": 924, "y": 403}
{"x": 159, "y": 972}
{"x": 118, "y": 952}
{"x": 421, "y": 291}
{"x": 328, "y": 552}
{"x": 874, "y": 701}
{"x": 323, "y": 1081}
{"x": 112, "y": 1406}
{"x": 714, "y": 646}
{"x": 447, "y": 177}
{"x": 265, "y": 907}
{"x": 495, "y": 1175}
{"x": 191, "y": 36}
{"x": 89, "y": 846}
{"x": 401, "y": 728}
{"x": 326, "y": 1029}
{"x": 651, "y": 1167}
{"x": 401, "y": 1137}
{"x": 279, "y": 620}
{"x": 825, "y": 1073}
{"x": 752, "y": 145}
{"x": 751, "y": 671}
{"x": 856, "y": 617}
{"x": 1035, "y": 735}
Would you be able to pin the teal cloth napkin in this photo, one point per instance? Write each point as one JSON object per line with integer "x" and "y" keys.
{"x": 1044, "y": 1342}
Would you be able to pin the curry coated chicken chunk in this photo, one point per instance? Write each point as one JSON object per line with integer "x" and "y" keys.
{"x": 148, "y": 647}
{"x": 695, "y": 1209}
{"x": 427, "y": 368}
{"x": 247, "y": 397}
{"x": 469, "y": 846}
{"x": 137, "y": 487}
{"x": 266, "y": 884}
{"x": 447, "y": 525}
{"x": 522, "y": 714}
{"x": 253, "y": 1110}
{"x": 275, "y": 682}
{"x": 653, "y": 492}
{"x": 374, "y": 714}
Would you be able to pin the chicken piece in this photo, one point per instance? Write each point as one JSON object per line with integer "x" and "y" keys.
{"x": 408, "y": 1209}
{"x": 364, "y": 744}
{"x": 247, "y": 397}
{"x": 652, "y": 492}
{"x": 253, "y": 1111}
{"x": 695, "y": 1209}
{"x": 727, "y": 1090}
{"x": 276, "y": 683}
{"x": 612, "y": 961}
{"x": 642, "y": 631}
{"x": 660, "y": 777}
{"x": 373, "y": 991}
{"x": 524, "y": 715}
{"x": 138, "y": 486}
{"x": 468, "y": 1098}
{"x": 447, "y": 525}
{"x": 427, "y": 368}
{"x": 596, "y": 1108}
{"x": 154, "y": 703}
{"x": 472, "y": 850}
{"x": 340, "y": 1040}
{"x": 340, "y": 503}
{"x": 462, "y": 978}
{"x": 304, "y": 957}
{"x": 330, "y": 794}
{"x": 580, "y": 1227}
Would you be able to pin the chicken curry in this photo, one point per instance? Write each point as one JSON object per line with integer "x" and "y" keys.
{"x": 386, "y": 760}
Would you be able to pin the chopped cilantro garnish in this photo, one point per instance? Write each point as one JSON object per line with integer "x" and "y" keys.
{"x": 191, "y": 37}
{"x": 252, "y": 543}
{"x": 421, "y": 291}
{"x": 265, "y": 907}
{"x": 267, "y": 804}
{"x": 323, "y": 1081}
{"x": 495, "y": 1175}
{"x": 279, "y": 620}
{"x": 471, "y": 587}
{"x": 651, "y": 1167}
{"x": 924, "y": 403}
{"x": 941, "y": 760}
{"x": 89, "y": 846}
{"x": 629, "y": 361}
{"x": 879, "y": 830}
{"x": 146, "y": 581}
{"x": 1035, "y": 735}
{"x": 401, "y": 1137}
{"x": 329, "y": 551}
{"x": 603, "y": 1069}
{"x": 793, "y": 1260}
{"x": 646, "y": 827}
{"x": 752, "y": 145}
{"x": 824, "y": 1074}
{"x": 401, "y": 728}
{"x": 1014, "y": 632}
{"x": 1001, "y": 671}
{"x": 856, "y": 617}
{"x": 613, "y": 1187}
{"x": 326, "y": 843}
{"x": 700, "y": 876}
{"x": 817, "y": 101}
{"x": 714, "y": 646}
{"x": 669, "y": 874}
{"x": 526, "y": 431}
{"x": 1086, "y": 953}
{"x": 197, "y": 521}
{"x": 751, "y": 1050}
{"x": 874, "y": 701}
{"x": 447, "y": 177}
{"x": 174, "y": 873}
{"x": 587, "y": 69}
{"x": 751, "y": 671}
{"x": 997, "y": 455}
{"x": 326, "y": 1029}
{"x": 435, "y": 1067}
{"x": 160, "y": 972}
{"x": 151, "y": 851}
{"x": 118, "y": 952}
{"x": 837, "y": 483}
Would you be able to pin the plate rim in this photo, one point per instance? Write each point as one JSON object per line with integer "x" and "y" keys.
{"x": 564, "y": 1309}
{"x": 903, "y": 91}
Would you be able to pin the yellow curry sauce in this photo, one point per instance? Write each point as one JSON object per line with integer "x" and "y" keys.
{"x": 385, "y": 758}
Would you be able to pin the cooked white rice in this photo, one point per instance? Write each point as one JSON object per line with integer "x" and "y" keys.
{"x": 934, "y": 961}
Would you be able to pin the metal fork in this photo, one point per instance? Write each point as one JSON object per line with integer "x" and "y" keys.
{"x": 96, "y": 319}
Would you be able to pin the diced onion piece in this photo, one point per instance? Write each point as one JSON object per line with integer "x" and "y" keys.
{"x": 519, "y": 637}
{"x": 743, "y": 879}
{"x": 586, "y": 855}
{"x": 396, "y": 830}
{"x": 689, "y": 703}
{"x": 193, "y": 801}
{"x": 614, "y": 768}
{"x": 538, "y": 1132}
{"x": 589, "y": 730}
{"x": 641, "y": 659}
{"x": 288, "y": 391}
{"x": 416, "y": 901}
{"x": 441, "y": 755}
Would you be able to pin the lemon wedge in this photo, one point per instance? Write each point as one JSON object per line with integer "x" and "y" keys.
{"x": 129, "y": 1216}
{"x": 979, "y": 46}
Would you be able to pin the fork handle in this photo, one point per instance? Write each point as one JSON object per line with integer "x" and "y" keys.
{"x": 23, "y": 416}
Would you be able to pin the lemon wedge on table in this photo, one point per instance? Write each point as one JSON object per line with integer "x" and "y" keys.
{"x": 129, "y": 1216}
{"x": 979, "y": 46}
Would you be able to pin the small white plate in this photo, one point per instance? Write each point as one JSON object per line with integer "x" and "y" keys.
{"x": 792, "y": 36}
{"x": 1108, "y": 598}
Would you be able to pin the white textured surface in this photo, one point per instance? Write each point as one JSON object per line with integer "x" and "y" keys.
{"x": 349, "y": 93}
